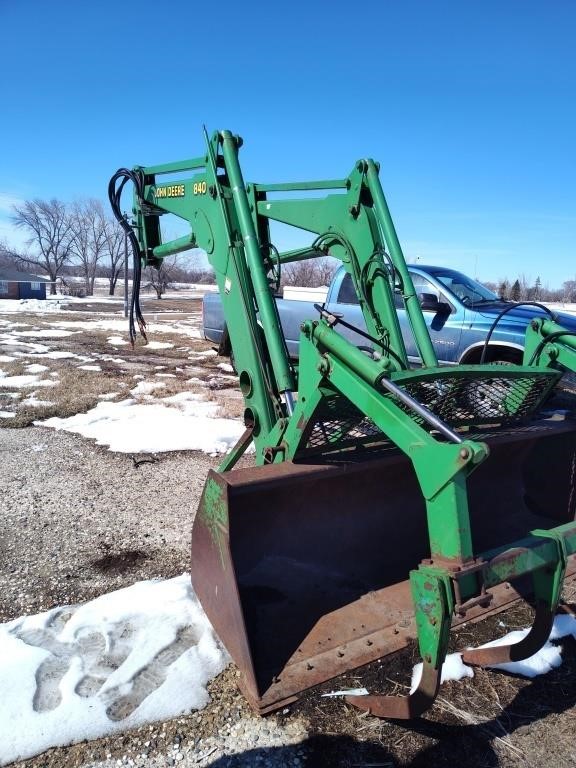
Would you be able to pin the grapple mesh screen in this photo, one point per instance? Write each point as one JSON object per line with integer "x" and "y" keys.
{"x": 501, "y": 399}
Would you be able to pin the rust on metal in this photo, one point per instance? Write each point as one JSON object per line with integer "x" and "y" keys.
{"x": 402, "y": 707}
{"x": 503, "y": 654}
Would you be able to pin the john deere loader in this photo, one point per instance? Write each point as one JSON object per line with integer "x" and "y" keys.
{"x": 386, "y": 504}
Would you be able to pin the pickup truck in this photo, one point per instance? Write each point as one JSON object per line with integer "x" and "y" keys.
{"x": 458, "y": 310}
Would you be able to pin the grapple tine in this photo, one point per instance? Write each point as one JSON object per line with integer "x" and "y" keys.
{"x": 402, "y": 707}
{"x": 547, "y": 589}
{"x": 504, "y": 654}
{"x": 434, "y": 603}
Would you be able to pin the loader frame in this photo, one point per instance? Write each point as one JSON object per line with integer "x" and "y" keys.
{"x": 428, "y": 414}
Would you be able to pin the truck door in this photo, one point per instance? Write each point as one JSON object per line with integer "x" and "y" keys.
{"x": 343, "y": 301}
{"x": 441, "y": 316}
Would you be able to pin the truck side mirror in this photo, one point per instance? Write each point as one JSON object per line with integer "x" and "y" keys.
{"x": 429, "y": 303}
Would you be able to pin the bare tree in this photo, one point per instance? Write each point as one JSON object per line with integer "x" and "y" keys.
{"x": 114, "y": 238}
{"x": 48, "y": 224}
{"x": 309, "y": 273}
{"x": 8, "y": 257}
{"x": 569, "y": 291}
{"x": 88, "y": 238}
{"x": 159, "y": 279}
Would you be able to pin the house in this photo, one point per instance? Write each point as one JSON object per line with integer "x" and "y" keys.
{"x": 20, "y": 285}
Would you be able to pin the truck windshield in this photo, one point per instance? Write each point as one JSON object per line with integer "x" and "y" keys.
{"x": 467, "y": 290}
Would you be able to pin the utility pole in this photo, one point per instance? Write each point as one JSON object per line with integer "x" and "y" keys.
{"x": 126, "y": 268}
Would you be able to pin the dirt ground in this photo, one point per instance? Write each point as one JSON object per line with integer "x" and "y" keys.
{"x": 80, "y": 521}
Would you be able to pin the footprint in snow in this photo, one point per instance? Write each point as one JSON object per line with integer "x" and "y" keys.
{"x": 100, "y": 656}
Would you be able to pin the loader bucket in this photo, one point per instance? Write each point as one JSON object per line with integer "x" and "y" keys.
{"x": 303, "y": 568}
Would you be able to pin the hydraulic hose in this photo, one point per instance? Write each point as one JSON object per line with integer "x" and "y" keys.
{"x": 505, "y": 311}
{"x": 114, "y": 195}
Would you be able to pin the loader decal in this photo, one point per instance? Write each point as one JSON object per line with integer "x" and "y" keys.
{"x": 174, "y": 190}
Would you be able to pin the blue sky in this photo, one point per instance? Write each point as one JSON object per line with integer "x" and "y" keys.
{"x": 469, "y": 107}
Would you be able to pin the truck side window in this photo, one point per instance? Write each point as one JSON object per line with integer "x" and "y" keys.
{"x": 347, "y": 294}
{"x": 421, "y": 285}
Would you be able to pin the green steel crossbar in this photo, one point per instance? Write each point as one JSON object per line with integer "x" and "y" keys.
{"x": 302, "y": 186}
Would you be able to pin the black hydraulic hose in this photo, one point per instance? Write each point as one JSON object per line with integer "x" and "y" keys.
{"x": 339, "y": 321}
{"x": 501, "y": 315}
{"x": 114, "y": 195}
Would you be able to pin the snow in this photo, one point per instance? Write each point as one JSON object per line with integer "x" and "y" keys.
{"x": 59, "y": 355}
{"x": 225, "y": 367}
{"x": 117, "y": 341}
{"x": 452, "y": 669}
{"x": 146, "y": 387}
{"x": 7, "y": 415}
{"x": 183, "y": 327}
{"x": 37, "y": 403}
{"x": 347, "y": 692}
{"x": 13, "y": 341}
{"x": 206, "y": 353}
{"x": 36, "y": 368}
{"x": 6, "y": 359}
{"x": 159, "y": 345}
{"x": 130, "y": 657}
{"x": 128, "y": 427}
{"x": 89, "y": 368}
{"x": 49, "y": 333}
{"x": 30, "y": 305}
{"x": 24, "y": 381}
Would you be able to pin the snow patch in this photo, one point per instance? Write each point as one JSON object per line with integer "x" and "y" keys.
{"x": 34, "y": 403}
{"x": 29, "y": 305}
{"x": 7, "y": 415}
{"x": 128, "y": 427}
{"x": 159, "y": 345}
{"x": 134, "y": 656}
{"x": 24, "y": 381}
{"x": 452, "y": 669}
{"x": 146, "y": 387}
{"x": 49, "y": 333}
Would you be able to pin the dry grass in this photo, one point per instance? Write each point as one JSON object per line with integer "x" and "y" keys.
{"x": 179, "y": 368}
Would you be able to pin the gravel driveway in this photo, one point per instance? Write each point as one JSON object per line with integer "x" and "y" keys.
{"x": 79, "y": 521}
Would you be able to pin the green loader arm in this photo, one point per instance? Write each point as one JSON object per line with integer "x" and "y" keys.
{"x": 426, "y": 414}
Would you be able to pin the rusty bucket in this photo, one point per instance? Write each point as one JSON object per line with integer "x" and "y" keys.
{"x": 303, "y": 568}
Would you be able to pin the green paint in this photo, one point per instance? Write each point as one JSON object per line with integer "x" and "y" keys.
{"x": 214, "y": 511}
